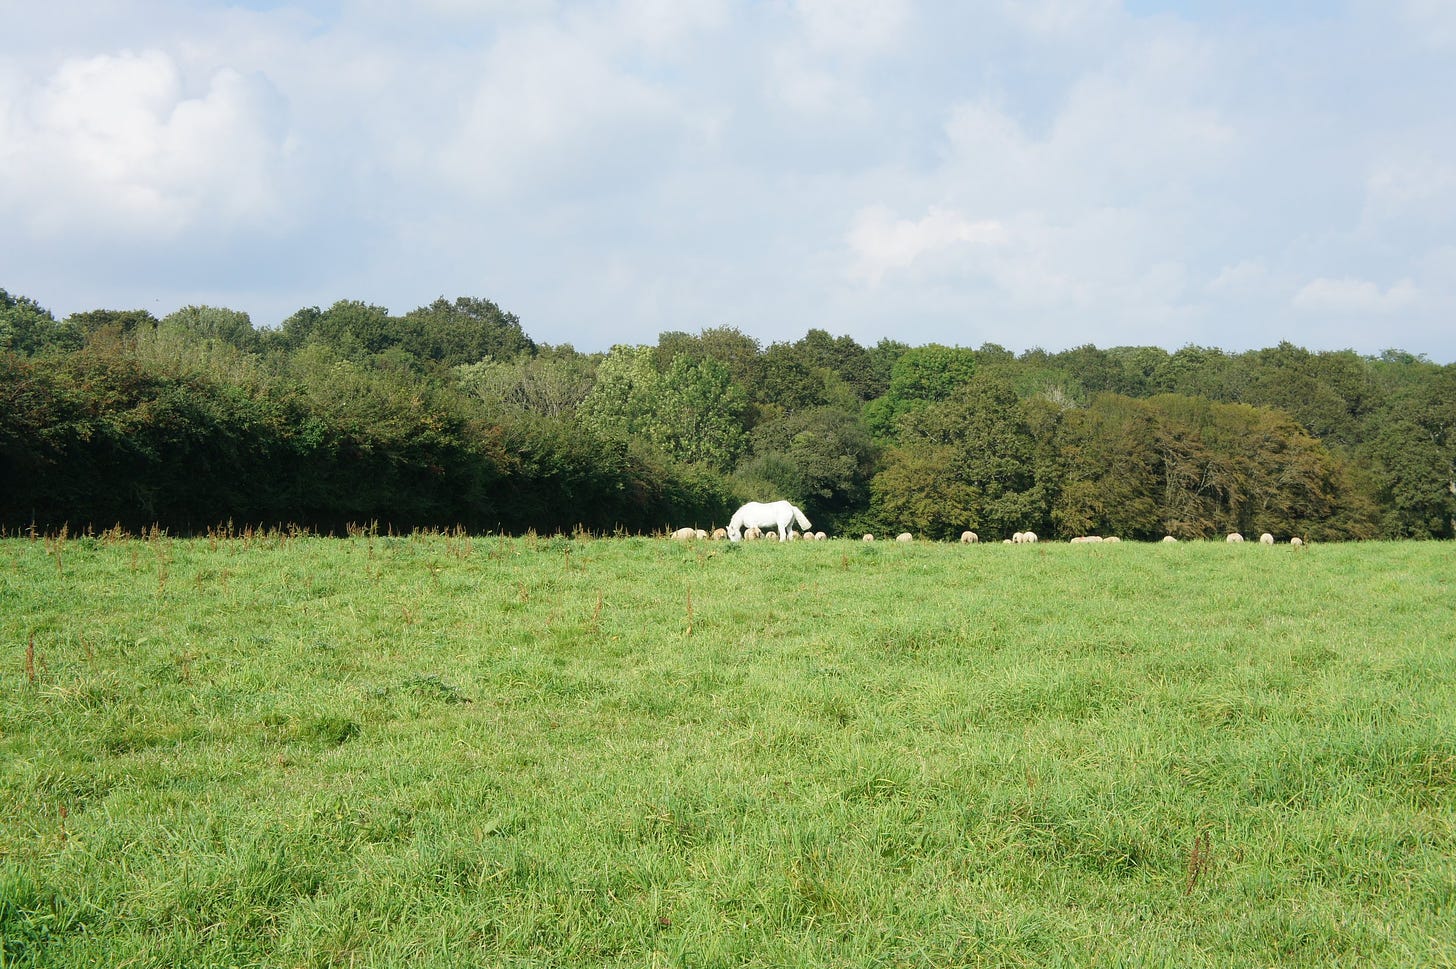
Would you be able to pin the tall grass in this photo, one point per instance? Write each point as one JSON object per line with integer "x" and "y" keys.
{"x": 277, "y": 749}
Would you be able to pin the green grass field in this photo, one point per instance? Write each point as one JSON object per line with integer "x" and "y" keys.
{"x": 444, "y": 750}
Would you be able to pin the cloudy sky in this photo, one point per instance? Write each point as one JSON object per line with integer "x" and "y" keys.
{"x": 1048, "y": 173}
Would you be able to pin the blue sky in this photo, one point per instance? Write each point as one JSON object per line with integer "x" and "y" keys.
{"x": 1022, "y": 172}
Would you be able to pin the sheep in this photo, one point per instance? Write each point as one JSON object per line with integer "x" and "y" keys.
{"x": 1266, "y": 539}
{"x": 719, "y": 534}
{"x": 868, "y": 537}
{"x": 1026, "y": 538}
{"x": 1168, "y": 538}
{"x": 683, "y": 534}
{"x": 1016, "y": 538}
{"x": 1084, "y": 539}
{"x": 1296, "y": 541}
{"x": 970, "y": 538}
{"x": 1234, "y": 538}
{"x": 752, "y": 532}
{"x": 1112, "y": 538}
{"x": 1005, "y": 541}
{"x": 904, "y": 537}
{"x": 820, "y": 536}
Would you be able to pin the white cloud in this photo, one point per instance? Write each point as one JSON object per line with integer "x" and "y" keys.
{"x": 820, "y": 92}
{"x": 880, "y": 242}
{"x": 663, "y": 26}
{"x": 116, "y": 141}
{"x": 855, "y": 27}
{"x": 1432, "y": 22}
{"x": 1350, "y": 296}
{"x": 549, "y": 105}
{"x": 1143, "y": 126}
{"x": 1241, "y": 279}
{"x": 1419, "y": 186}
{"x": 1062, "y": 17}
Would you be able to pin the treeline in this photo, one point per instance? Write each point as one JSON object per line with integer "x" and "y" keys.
{"x": 451, "y": 414}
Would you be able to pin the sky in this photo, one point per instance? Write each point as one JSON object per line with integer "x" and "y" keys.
{"x": 1028, "y": 173}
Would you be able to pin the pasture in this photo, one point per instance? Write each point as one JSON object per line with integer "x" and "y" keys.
{"x": 445, "y": 750}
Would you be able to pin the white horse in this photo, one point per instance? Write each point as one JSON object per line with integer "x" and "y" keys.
{"x": 773, "y": 514}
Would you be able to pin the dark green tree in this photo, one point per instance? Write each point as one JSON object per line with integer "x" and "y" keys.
{"x": 966, "y": 462}
{"x": 120, "y": 322}
{"x": 822, "y": 459}
{"x": 464, "y": 331}
{"x": 920, "y": 377}
{"x": 1409, "y": 450}
{"x": 1110, "y": 471}
{"x": 27, "y": 327}
{"x": 217, "y": 323}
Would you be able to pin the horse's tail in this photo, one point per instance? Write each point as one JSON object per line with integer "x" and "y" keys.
{"x": 803, "y": 522}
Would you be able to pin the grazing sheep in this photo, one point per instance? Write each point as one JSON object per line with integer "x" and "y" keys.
{"x": 1169, "y": 538}
{"x": 820, "y": 536}
{"x": 1234, "y": 538}
{"x": 868, "y": 537}
{"x": 683, "y": 534}
{"x": 970, "y": 538}
{"x": 1028, "y": 538}
{"x": 1112, "y": 538}
{"x": 719, "y": 534}
{"x": 1266, "y": 539}
{"x": 752, "y": 533}
{"x": 1016, "y": 538}
{"x": 1296, "y": 541}
{"x": 904, "y": 537}
{"x": 1005, "y": 541}
{"x": 1085, "y": 539}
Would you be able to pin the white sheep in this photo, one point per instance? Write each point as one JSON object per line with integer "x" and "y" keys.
{"x": 970, "y": 538}
{"x": 820, "y": 536}
{"x": 719, "y": 534}
{"x": 1296, "y": 541}
{"x": 1028, "y": 538}
{"x": 1266, "y": 539}
{"x": 752, "y": 532}
{"x": 1168, "y": 538}
{"x": 868, "y": 537}
{"x": 1234, "y": 538}
{"x": 1112, "y": 538}
{"x": 1017, "y": 538}
{"x": 683, "y": 534}
{"x": 904, "y": 537}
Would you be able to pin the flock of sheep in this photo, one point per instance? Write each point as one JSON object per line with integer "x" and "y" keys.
{"x": 751, "y": 533}
{"x": 967, "y": 537}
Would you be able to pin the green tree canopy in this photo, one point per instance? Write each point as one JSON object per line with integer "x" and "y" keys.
{"x": 693, "y": 412}
{"x": 464, "y": 331}
{"x": 27, "y": 327}
{"x": 965, "y": 462}
{"x": 920, "y": 377}
{"x": 822, "y": 459}
{"x": 217, "y": 323}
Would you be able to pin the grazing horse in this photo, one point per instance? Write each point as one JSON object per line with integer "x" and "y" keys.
{"x": 773, "y": 514}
